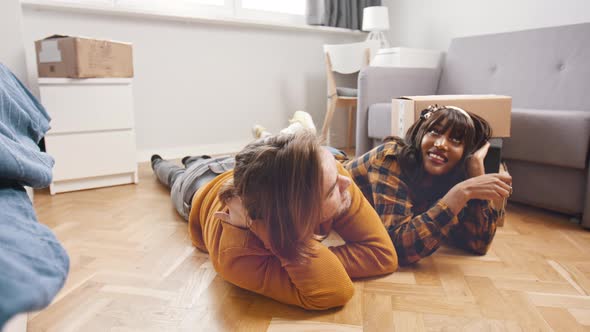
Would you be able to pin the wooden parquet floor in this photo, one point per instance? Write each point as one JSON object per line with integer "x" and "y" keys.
{"x": 133, "y": 269}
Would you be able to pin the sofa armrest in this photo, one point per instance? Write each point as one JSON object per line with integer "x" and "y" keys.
{"x": 381, "y": 84}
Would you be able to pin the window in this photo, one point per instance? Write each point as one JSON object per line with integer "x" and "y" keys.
{"x": 172, "y": 3}
{"x": 84, "y": 2}
{"x": 208, "y": 2}
{"x": 261, "y": 11}
{"x": 283, "y": 11}
{"x": 183, "y": 8}
{"x": 293, "y": 7}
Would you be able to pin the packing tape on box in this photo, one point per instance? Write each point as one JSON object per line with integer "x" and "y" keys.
{"x": 400, "y": 120}
{"x": 49, "y": 52}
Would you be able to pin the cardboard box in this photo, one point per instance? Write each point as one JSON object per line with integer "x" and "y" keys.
{"x": 77, "y": 57}
{"x": 493, "y": 108}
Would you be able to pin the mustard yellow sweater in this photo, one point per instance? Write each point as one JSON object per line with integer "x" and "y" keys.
{"x": 243, "y": 257}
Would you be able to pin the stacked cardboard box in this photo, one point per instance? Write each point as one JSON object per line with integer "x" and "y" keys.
{"x": 494, "y": 109}
{"x": 77, "y": 57}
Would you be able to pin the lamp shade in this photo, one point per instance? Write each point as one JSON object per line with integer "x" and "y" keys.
{"x": 375, "y": 18}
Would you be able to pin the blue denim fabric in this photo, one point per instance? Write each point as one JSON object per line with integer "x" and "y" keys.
{"x": 23, "y": 122}
{"x": 33, "y": 264}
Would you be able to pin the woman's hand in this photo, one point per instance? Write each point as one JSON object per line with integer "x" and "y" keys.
{"x": 236, "y": 214}
{"x": 488, "y": 186}
{"x": 485, "y": 187}
{"x": 474, "y": 162}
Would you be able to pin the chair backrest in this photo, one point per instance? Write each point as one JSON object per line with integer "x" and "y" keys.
{"x": 347, "y": 59}
{"x": 350, "y": 58}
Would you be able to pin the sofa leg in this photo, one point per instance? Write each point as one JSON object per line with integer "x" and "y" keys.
{"x": 585, "y": 217}
{"x": 584, "y": 220}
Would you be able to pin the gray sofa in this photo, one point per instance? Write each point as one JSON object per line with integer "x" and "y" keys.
{"x": 547, "y": 73}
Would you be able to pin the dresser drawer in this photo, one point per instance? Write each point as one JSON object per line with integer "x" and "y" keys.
{"x": 90, "y": 105}
{"x": 92, "y": 154}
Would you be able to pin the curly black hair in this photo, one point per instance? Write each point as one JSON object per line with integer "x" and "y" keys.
{"x": 474, "y": 131}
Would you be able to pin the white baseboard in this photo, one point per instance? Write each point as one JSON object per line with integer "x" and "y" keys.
{"x": 92, "y": 182}
{"x": 144, "y": 155}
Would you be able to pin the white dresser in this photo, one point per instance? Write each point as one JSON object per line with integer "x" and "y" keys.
{"x": 92, "y": 136}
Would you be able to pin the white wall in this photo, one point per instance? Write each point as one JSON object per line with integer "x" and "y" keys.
{"x": 198, "y": 87}
{"x": 433, "y": 23}
{"x": 11, "y": 38}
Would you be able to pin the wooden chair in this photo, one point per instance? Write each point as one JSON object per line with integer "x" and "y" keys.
{"x": 344, "y": 59}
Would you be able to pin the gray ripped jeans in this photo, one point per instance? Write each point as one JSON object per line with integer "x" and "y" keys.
{"x": 185, "y": 181}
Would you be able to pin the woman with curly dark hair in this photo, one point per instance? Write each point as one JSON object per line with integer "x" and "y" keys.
{"x": 431, "y": 186}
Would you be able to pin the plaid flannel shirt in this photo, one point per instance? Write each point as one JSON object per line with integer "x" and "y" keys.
{"x": 417, "y": 229}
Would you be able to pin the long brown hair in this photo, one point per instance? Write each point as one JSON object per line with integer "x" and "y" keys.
{"x": 279, "y": 181}
{"x": 474, "y": 132}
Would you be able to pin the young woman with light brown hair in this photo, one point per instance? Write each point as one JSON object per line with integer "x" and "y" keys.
{"x": 261, "y": 221}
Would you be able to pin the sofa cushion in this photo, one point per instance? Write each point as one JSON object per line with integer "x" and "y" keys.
{"x": 554, "y": 137}
{"x": 552, "y": 187}
{"x": 379, "y": 120}
{"x": 544, "y": 68}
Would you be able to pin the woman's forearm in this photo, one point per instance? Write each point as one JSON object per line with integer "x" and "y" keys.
{"x": 456, "y": 199}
